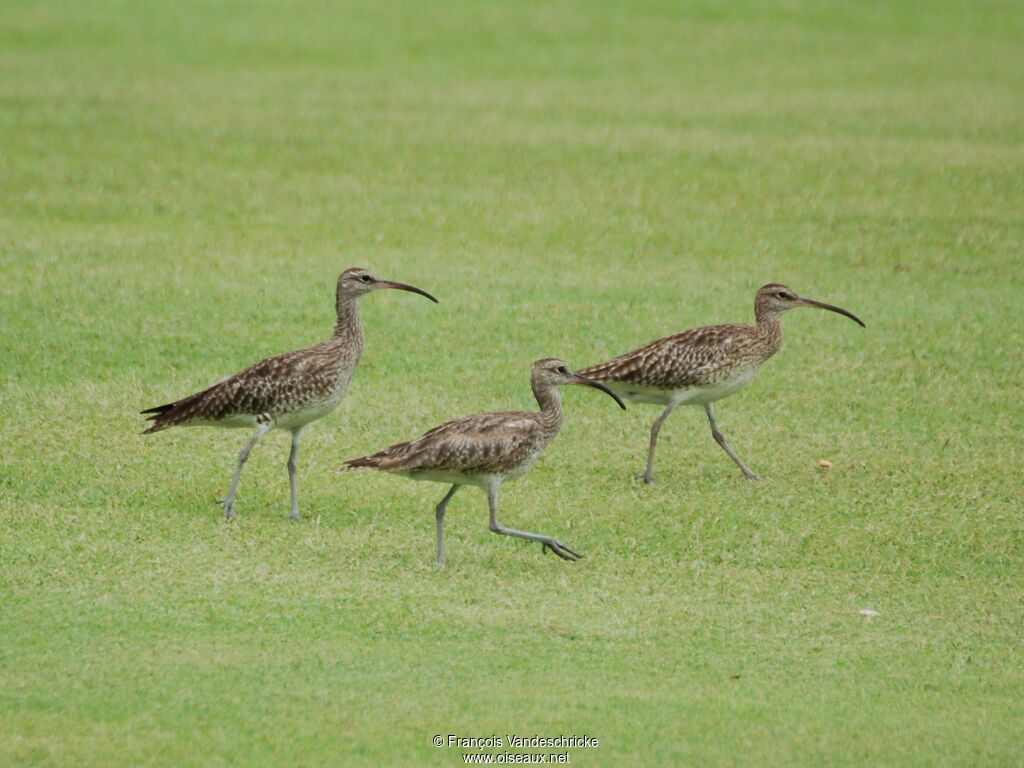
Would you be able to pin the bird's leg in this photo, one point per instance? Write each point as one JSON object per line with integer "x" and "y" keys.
{"x": 720, "y": 439}
{"x": 439, "y": 512}
{"x": 648, "y": 476}
{"x": 293, "y": 486}
{"x": 229, "y": 500}
{"x": 547, "y": 542}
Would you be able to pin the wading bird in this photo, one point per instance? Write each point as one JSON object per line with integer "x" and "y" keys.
{"x": 487, "y": 449}
{"x": 703, "y": 365}
{"x": 287, "y": 391}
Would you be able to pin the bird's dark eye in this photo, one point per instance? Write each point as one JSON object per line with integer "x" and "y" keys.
{"x": 563, "y": 369}
{"x": 366, "y": 278}
{"x": 781, "y": 294}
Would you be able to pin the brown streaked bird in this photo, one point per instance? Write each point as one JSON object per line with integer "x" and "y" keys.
{"x": 704, "y": 365}
{"x": 287, "y": 391}
{"x": 487, "y": 449}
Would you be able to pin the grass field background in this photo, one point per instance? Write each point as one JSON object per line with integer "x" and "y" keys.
{"x": 181, "y": 183}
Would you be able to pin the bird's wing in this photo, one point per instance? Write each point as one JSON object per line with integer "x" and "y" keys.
{"x": 261, "y": 388}
{"x": 485, "y": 442}
{"x": 684, "y": 360}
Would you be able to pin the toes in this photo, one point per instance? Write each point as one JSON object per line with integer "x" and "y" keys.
{"x": 572, "y": 552}
{"x": 560, "y": 549}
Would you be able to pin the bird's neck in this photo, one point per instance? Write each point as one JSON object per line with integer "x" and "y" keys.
{"x": 550, "y": 401}
{"x": 769, "y": 328}
{"x": 347, "y": 326}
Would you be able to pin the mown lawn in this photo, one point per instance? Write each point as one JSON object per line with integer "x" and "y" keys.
{"x": 180, "y": 184}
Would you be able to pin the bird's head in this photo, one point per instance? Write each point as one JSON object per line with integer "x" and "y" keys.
{"x": 551, "y": 372}
{"x": 775, "y": 298}
{"x": 356, "y": 281}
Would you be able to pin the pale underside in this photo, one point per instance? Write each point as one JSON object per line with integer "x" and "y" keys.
{"x": 690, "y": 395}
{"x": 470, "y": 476}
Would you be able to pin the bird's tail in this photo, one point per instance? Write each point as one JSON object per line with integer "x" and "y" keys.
{"x": 388, "y": 460}
{"x": 162, "y": 417}
{"x": 169, "y": 414}
{"x": 364, "y": 462}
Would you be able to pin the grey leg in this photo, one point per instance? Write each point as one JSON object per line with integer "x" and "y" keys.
{"x": 291, "y": 473}
{"x": 648, "y": 476}
{"x": 548, "y": 542}
{"x": 229, "y": 501}
{"x": 720, "y": 439}
{"x": 439, "y": 512}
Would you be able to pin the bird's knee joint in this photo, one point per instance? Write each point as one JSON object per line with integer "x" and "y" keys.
{"x": 291, "y": 465}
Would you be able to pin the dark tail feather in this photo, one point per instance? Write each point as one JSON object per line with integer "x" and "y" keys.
{"x": 162, "y": 416}
{"x": 365, "y": 462}
{"x": 402, "y": 456}
{"x": 159, "y": 410}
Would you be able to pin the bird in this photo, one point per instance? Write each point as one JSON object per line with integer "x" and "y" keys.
{"x": 287, "y": 391}
{"x": 485, "y": 450}
{"x": 704, "y": 365}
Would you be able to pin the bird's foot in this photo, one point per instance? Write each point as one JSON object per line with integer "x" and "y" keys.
{"x": 293, "y": 516}
{"x": 563, "y": 551}
{"x": 751, "y": 476}
{"x": 228, "y": 507}
{"x": 647, "y": 478}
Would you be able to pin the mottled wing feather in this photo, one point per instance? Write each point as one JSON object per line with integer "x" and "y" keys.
{"x": 486, "y": 442}
{"x": 264, "y": 388}
{"x": 687, "y": 359}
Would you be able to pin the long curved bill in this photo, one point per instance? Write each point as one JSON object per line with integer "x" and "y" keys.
{"x": 832, "y": 308}
{"x": 584, "y": 381}
{"x": 404, "y": 287}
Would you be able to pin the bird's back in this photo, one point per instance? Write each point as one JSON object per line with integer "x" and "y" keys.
{"x": 699, "y": 357}
{"x": 486, "y": 443}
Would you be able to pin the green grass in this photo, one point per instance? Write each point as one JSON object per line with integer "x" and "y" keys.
{"x": 180, "y": 184}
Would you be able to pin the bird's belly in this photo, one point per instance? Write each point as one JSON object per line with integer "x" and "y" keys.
{"x": 453, "y": 477}
{"x": 712, "y": 392}
{"x": 307, "y": 412}
{"x": 521, "y": 469}
{"x": 312, "y": 407}
{"x": 235, "y": 421}
{"x": 471, "y": 477}
{"x": 698, "y": 394}
{"x": 640, "y": 394}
